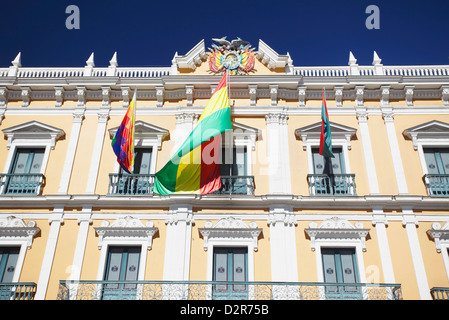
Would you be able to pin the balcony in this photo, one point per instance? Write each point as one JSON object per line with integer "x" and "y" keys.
{"x": 17, "y": 291}
{"x": 437, "y": 184}
{"x": 142, "y": 184}
{"x": 236, "y": 185}
{"x": 21, "y": 184}
{"x": 213, "y": 290}
{"x": 439, "y": 293}
{"x": 130, "y": 184}
{"x": 332, "y": 185}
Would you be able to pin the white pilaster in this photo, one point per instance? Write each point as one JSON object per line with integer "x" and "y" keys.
{"x": 177, "y": 247}
{"x": 388, "y": 116}
{"x": 84, "y": 220}
{"x": 78, "y": 116}
{"x": 410, "y": 223}
{"x": 283, "y": 244}
{"x": 362, "y": 117}
{"x": 380, "y": 221}
{"x": 103, "y": 116}
{"x": 278, "y": 154}
{"x": 49, "y": 254}
{"x": 184, "y": 125}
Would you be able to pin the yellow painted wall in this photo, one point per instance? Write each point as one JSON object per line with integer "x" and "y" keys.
{"x": 404, "y": 272}
{"x": 433, "y": 261}
{"x": 382, "y": 156}
{"x": 83, "y": 156}
{"x": 34, "y": 256}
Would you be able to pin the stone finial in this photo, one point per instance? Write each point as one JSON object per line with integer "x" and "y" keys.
{"x": 90, "y": 61}
{"x": 376, "y": 59}
{"x": 113, "y": 61}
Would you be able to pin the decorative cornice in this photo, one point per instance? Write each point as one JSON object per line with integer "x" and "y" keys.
{"x": 13, "y": 228}
{"x": 439, "y": 234}
{"x": 230, "y": 229}
{"x": 127, "y": 227}
{"x": 336, "y": 228}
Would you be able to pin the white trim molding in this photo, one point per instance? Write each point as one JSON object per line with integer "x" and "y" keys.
{"x": 129, "y": 229}
{"x": 34, "y": 131}
{"x": 336, "y": 229}
{"x": 13, "y": 229}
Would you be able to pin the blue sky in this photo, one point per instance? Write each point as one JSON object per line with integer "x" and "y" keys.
{"x": 148, "y": 33}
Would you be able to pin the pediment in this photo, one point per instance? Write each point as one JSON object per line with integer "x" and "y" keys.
{"x": 335, "y": 129}
{"x": 34, "y": 130}
{"x": 434, "y": 126}
{"x": 143, "y": 129}
{"x": 430, "y": 131}
{"x": 311, "y": 134}
{"x": 33, "y": 127}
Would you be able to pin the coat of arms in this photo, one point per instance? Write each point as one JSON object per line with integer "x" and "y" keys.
{"x": 236, "y": 56}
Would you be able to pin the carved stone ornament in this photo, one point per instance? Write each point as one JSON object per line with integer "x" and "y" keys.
{"x": 126, "y": 228}
{"x": 14, "y": 229}
{"x": 336, "y": 228}
{"x": 439, "y": 234}
{"x": 236, "y": 56}
{"x": 230, "y": 229}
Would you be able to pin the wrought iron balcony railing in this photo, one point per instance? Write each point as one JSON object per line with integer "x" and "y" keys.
{"x": 437, "y": 184}
{"x": 17, "y": 291}
{"x": 236, "y": 185}
{"x": 142, "y": 184}
{"x": 336, "y": 184}
{"x": 21, "y": 184}
{"x": 214, "y": 290}
{"x": 440, "y": 293}
{"x": 131, "y": 184}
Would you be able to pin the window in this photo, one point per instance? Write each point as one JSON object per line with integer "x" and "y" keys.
{"x": 138, "y": 183}
{"x": 234, "y": 171}
{"x": 437, "y": 164}
{"x": 431, "y": 140}
{"x": 122, "y": 265}
{"x": 29, "y": 147}
{"x": 148, "y": 140}
{"x": 230, "y": 264}
{"x": 24, "y": 176}
{"x": 340, "y": 266}
{"x": 234, "y": 234}
{"x": 329, "y": 176}
{"x": 8, "y": 260}
{"x": 325, "y": 179}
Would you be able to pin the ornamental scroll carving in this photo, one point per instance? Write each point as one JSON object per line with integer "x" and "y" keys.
{"x": 230, "y": 229}
{"x": 126, "y": 228}
{"x": 336, "y": 228}
{"x": 15, "y": 229}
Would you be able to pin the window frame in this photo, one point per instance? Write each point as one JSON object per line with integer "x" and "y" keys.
{"x": 125, "y": 231}
{"x": 18, "y": 234}
{"x": 338, "y": 233}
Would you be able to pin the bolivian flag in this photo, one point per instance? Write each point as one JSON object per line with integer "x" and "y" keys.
{"x": 123, "y": 141}
{"x": 195, "y": 167}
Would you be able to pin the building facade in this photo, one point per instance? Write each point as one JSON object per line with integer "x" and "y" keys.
{"x": 286, "y": 223}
